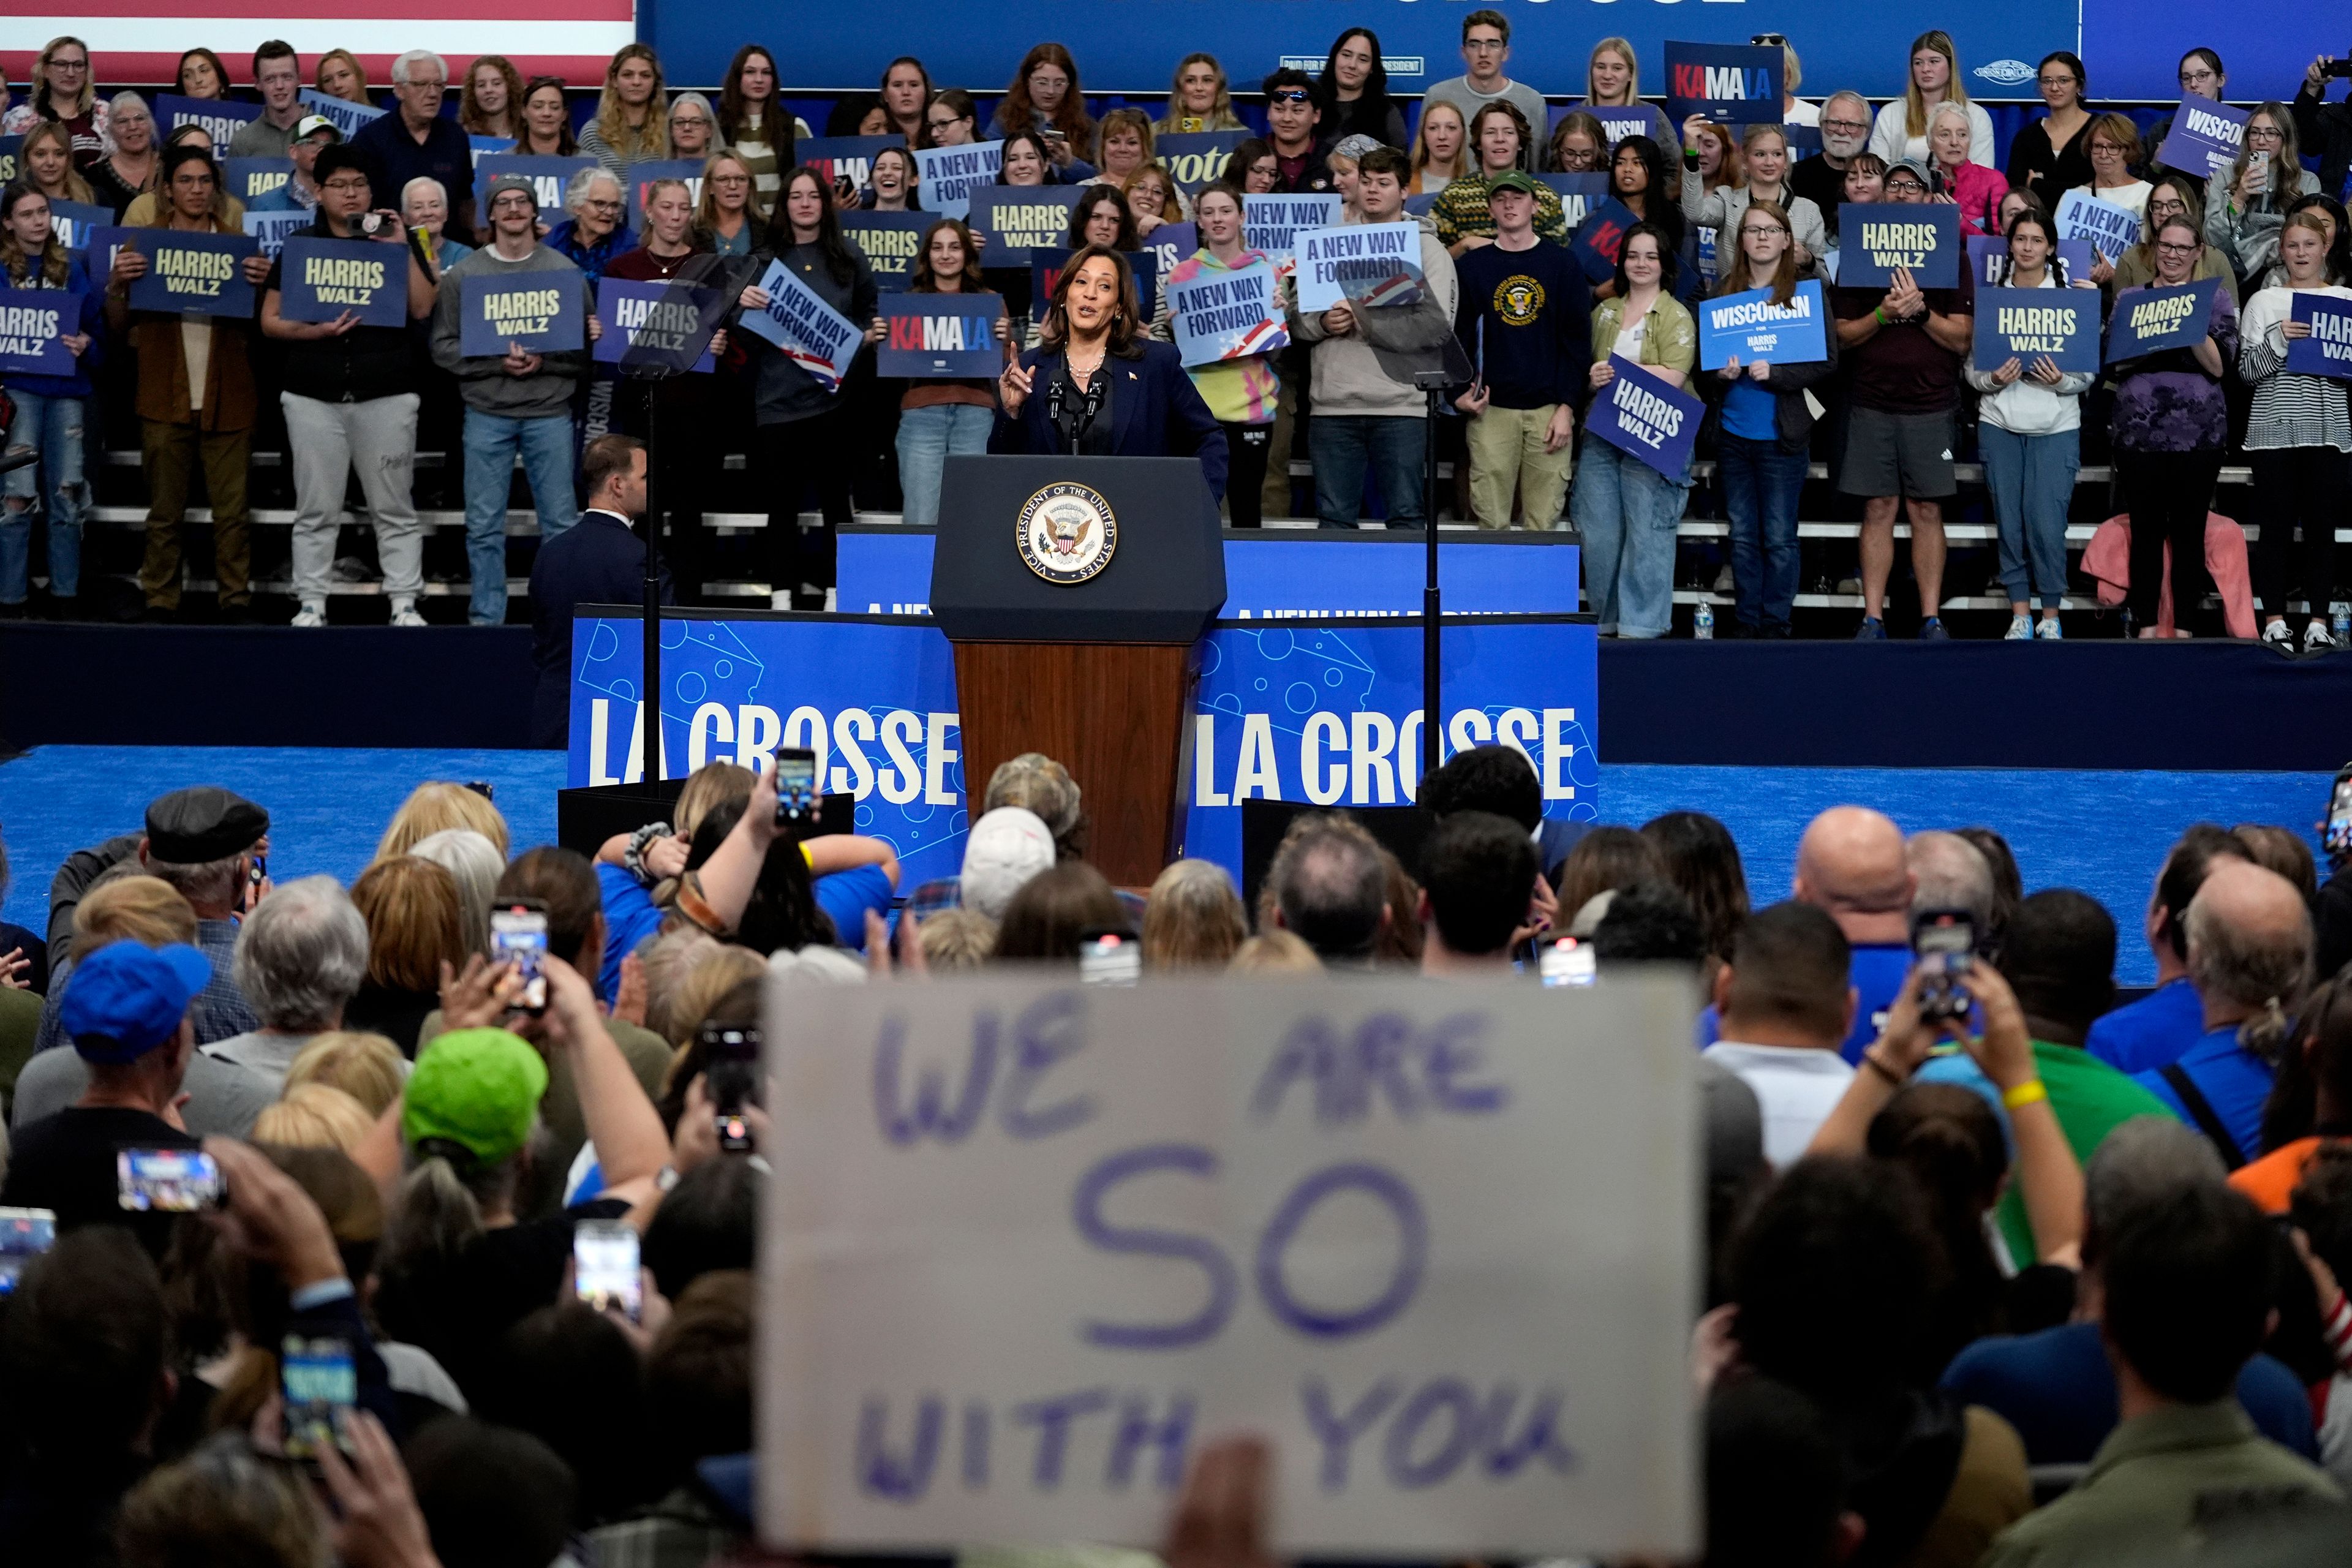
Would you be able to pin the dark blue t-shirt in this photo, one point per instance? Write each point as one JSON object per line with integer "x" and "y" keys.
{"x": 1530, "y": 313}
{"x": 2152, "y": 1031}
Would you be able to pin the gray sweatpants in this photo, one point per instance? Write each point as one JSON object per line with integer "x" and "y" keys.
{"x": 326, "y": 441}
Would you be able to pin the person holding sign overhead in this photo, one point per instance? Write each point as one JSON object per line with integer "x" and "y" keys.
{"x": 939, "y": 419}
{"x": 53, "y": 408}
{"x": 2030, "y": 432}
{"x": 196, "y": 401}
{"x": 1095, "y": 386}
{"x": 351, "y": 395}
{"x": 1764, "y": 150}
{"x": 2298, "y": 433}
{"x": 2172, "y": 421}
{"x": 1523, "y": 320}
{"x": 804, "y": 425}
{"x": 1243, "y": 394}
{"x": 1764, "y": 425}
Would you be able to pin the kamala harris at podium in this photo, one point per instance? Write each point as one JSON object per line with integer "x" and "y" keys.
{"x": 1097, "y": 387}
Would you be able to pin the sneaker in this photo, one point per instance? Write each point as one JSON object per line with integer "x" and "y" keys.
{"x": 2318, "y": 638}
{"x": 781, "y": 600}
{"x": 310, "y": 616}
{"x": 2047, "y": 630}
{"x": 1873, "y": 630}
{"x": 2276, "y": 635}
{"x": 1849, "y": 585}
{"x": 1932, "y": 630}
{"x": 1724, "y": 582}
{"x": 833, "y": 601}
{"x": 2020, "y": 629}
{"x": 404, "y": 613}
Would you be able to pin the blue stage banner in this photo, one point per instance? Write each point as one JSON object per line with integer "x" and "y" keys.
{"x": 947, "y": 176}
{"x": 2026, "y": 324}
{"x": 2328, "y": 349}
{"x": 641, "y": 175}
{"x": 350, "y": 118}
{"x": 1326, "y": 714}
{"x": 1193, "y": 158}
{"x": 193, "y": 274}
{"x": 1730, "y": 84}
{"x": 249, "y": 179}
{"x": 319, "y": 279}
{"x": 1017, "y": 217}
{"x": 1652, "y": 419}
{"x": 2146, "y": 321}
{"x": 221, "y": 118}
{"x": 840, "y": 158}
{"x": 1272, "y": 222}
{"x": 33, "y": 323}
{"x": 1046, "y": 261}
{"x": 1282, "y": 573}
{"x": 543, "y": 311}
{"x": 1596, "y": 243}
{"x": 1130, "y": 49}
{"x": 548, "y": 176}
{"x": 72, "y": 221}
{"x": 1578, "y": 195}
{"x": 1751, "y": 326}
{"x": 890, "y": 242}
{"x": 1923, "y": 238}
{"x": 933, "y": 336}
{"x": 2132, "y": 48}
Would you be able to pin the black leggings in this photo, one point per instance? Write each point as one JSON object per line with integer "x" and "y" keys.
{"x": 2167, "y": 494}
{"x": 1246, "y": 446}
{"x": 2307, "y": 485}
{"x": 792, "y": 457}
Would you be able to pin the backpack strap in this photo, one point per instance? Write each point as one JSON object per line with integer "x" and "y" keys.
{"x": 2200, "y": 1112}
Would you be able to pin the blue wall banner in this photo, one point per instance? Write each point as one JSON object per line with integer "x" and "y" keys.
{"x": 2132, "y": 49}
{"x": 1327, "y": 712}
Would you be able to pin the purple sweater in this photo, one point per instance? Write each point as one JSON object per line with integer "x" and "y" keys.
{"x": 2166, "y": 402}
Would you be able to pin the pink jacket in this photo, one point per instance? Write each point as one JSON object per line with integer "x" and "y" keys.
{"x": 1977, "y": 190}
{"x": 2107, "y": 562}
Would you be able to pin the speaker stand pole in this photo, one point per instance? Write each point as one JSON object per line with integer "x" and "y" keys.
{"x": 1433, "y": 384}
{"x": 651, "y": 708}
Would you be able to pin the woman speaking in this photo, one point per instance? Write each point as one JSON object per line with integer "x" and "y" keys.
{"x": 1095, "y": 388}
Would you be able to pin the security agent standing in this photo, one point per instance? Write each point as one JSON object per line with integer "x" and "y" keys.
{"x": 601, "y": 562}
{"x": 351, "y": 400}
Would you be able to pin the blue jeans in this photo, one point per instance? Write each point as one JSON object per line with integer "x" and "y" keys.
{"x": 1342, "y": 444}
{"x": 2030, "y": 479}
{"x": 1761, "y": 485}
{"x": 927, "y": 438}
{"x": 1627, "y": 510}
{"x": 53, "y": 426}
{"x": 491, "y": 442}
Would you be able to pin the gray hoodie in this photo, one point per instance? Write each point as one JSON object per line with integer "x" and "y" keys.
{"x": 1369, "y": 371}
{"x": 483, "y": 380}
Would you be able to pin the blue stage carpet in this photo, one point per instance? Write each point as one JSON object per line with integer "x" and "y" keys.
{"x": 2103, "y": 832}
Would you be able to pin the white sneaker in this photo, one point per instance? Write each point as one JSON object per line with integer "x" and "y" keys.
{"x": 782, "y": 599}
{"x": 310, "y": 616}
{"x": 1724, "y": 581}
{"x": 2318, "y": 638}
{"x": 404, "y": 613}
{"x": 2046, "y": 630}
{"x": 833, "y": 597}
{"x": 2276, "y": 635}
{"x": 2020, "y": 629}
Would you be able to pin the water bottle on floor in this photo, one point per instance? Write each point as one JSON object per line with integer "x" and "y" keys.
{"x": 1703, "y": 622}
{"x": 2339, "y": 621}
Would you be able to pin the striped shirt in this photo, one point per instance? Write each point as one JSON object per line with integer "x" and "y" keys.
{"x": 2288, "y": 409}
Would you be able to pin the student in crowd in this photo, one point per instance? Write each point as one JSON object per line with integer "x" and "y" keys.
{"x": 1368, "y": 412}
{"x": 64, "y": 92}
{"x": 1462, "y": 216}
{"x": 939, "y": 419}
{"x": 1613, "y": 91}
{"x": 546, "y": 122}
{"x": 1764, "y": 158}
{"x": 906, "y": 93}
{"x": 2336, "y": 265}
{"x": 1097, "y": 385}
{"x": 752, "y": 124}
{"x": 1904, "y": 349}
{"x": 516, "y": 403}
{"x": 2246, "y": 203}
{"x": 952, "y": 119}
{"x": 2174, "y": 196}
{"x": 1485, "y": 50}
{"x": 1254, "y": 167}
{"x": 1935, "y": 78}
{"x": 1127, "y": 150}
{"x": 1294, "y": 122}
{"x": 1044, "y": 97}
{"x": 1974, "y": 189}
{"x": 693, "y": 126}
{"x": 592, "y": 233}
{"x": 200, "y": 75}
{"x": 2114, "y": 150}
{"x": 2325, "y": 128}
{"x": 492, "y": 104}
{"x": 1864, "y": 183}
{"x": 2171, "y": 421}
{"x": 196, "y": 401}
{"x": 1764, "y": 426}
{"x": 1242, "y": 394}
{"x": 340, "y": 75}
{"x": 1340, "y": 158}
{"x": 48, "y": 160}
{"x": 143, "y": 210}
{"x": 1707, "y": 150}
{"x": 803, "y": 426}
{"x": 1579, "y": 144}
{"x": 2201, "y": 76}
{"x": 414, "y": 139}
{"x": 2029, "y": 420}
{"x": 1440, "y": 149}
{"x": 725, "y": 221}
{"x": 1101, "y": 217}
{"x": 627, "y": 128}
{"x": 1639, "y": 178}
{"x": 1199, "y": 99}
{"x": 1845, "y": 133}
{"x": 277, "y": 77}
{"x": 129, "y": 168}
{"x": 892, "y": 189}
{"x": 2051, "y": 155}
{"x": 350, "y": 402}
{"x": 1026, "y": 161}
{"x": 300, "y": 191}
{"x": 2298, "y": 433}
{"x": 1154, "y": 200}
{"x": 1626, "y": 510}
{"x": 53, "y": 413}
{"x": 1794, "y": 111}
{"x": 424, "y": 205}
{"x": 1353, "y": 91}
{"x": 1524, "y": 321}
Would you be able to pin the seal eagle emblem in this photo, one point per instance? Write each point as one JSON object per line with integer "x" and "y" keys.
{"x": 1067, "y": 532}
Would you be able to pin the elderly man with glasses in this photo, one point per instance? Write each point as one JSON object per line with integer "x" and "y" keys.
{"x": 417, "y": 139}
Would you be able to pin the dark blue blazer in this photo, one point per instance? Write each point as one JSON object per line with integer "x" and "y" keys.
{"x": 598, "y": 561}
{"x": 1157, "y": 411}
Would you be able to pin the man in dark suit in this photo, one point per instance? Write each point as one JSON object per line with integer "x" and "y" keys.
{"x": 601, "y": 562}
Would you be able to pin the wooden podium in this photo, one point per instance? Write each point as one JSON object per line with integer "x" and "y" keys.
{"x": 1082, "y": 653}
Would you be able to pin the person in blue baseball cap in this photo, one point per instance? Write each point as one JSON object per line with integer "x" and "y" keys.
{"x": 126, "y": 1008}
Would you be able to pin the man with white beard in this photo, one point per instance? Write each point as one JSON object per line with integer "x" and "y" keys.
{"x": 1845, "y": 131}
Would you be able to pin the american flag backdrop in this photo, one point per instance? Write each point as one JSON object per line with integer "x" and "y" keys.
{"x": 139, "y": 42}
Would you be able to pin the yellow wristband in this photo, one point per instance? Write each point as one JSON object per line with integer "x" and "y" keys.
{"x": 2024, "y": 1094}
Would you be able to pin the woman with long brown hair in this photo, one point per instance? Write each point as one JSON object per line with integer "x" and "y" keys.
{"x": 340, "y": 75}
{"x": 632, "y": 117}
{"x": 546, "y": 121}
{"x": 942, "y": 419}
{"x": 1046, "y": 98}
{"x": 751, "y": 122}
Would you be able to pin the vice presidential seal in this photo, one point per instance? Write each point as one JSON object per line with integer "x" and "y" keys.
{"x": 1067, "y": 532}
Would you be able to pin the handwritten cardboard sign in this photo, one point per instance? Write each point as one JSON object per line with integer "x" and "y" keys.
{"x": 1021, "y": 1260}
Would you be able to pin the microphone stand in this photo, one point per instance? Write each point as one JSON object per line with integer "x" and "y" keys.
{"x": 1433, "y": 384}
{"x": 655, "y": 396}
